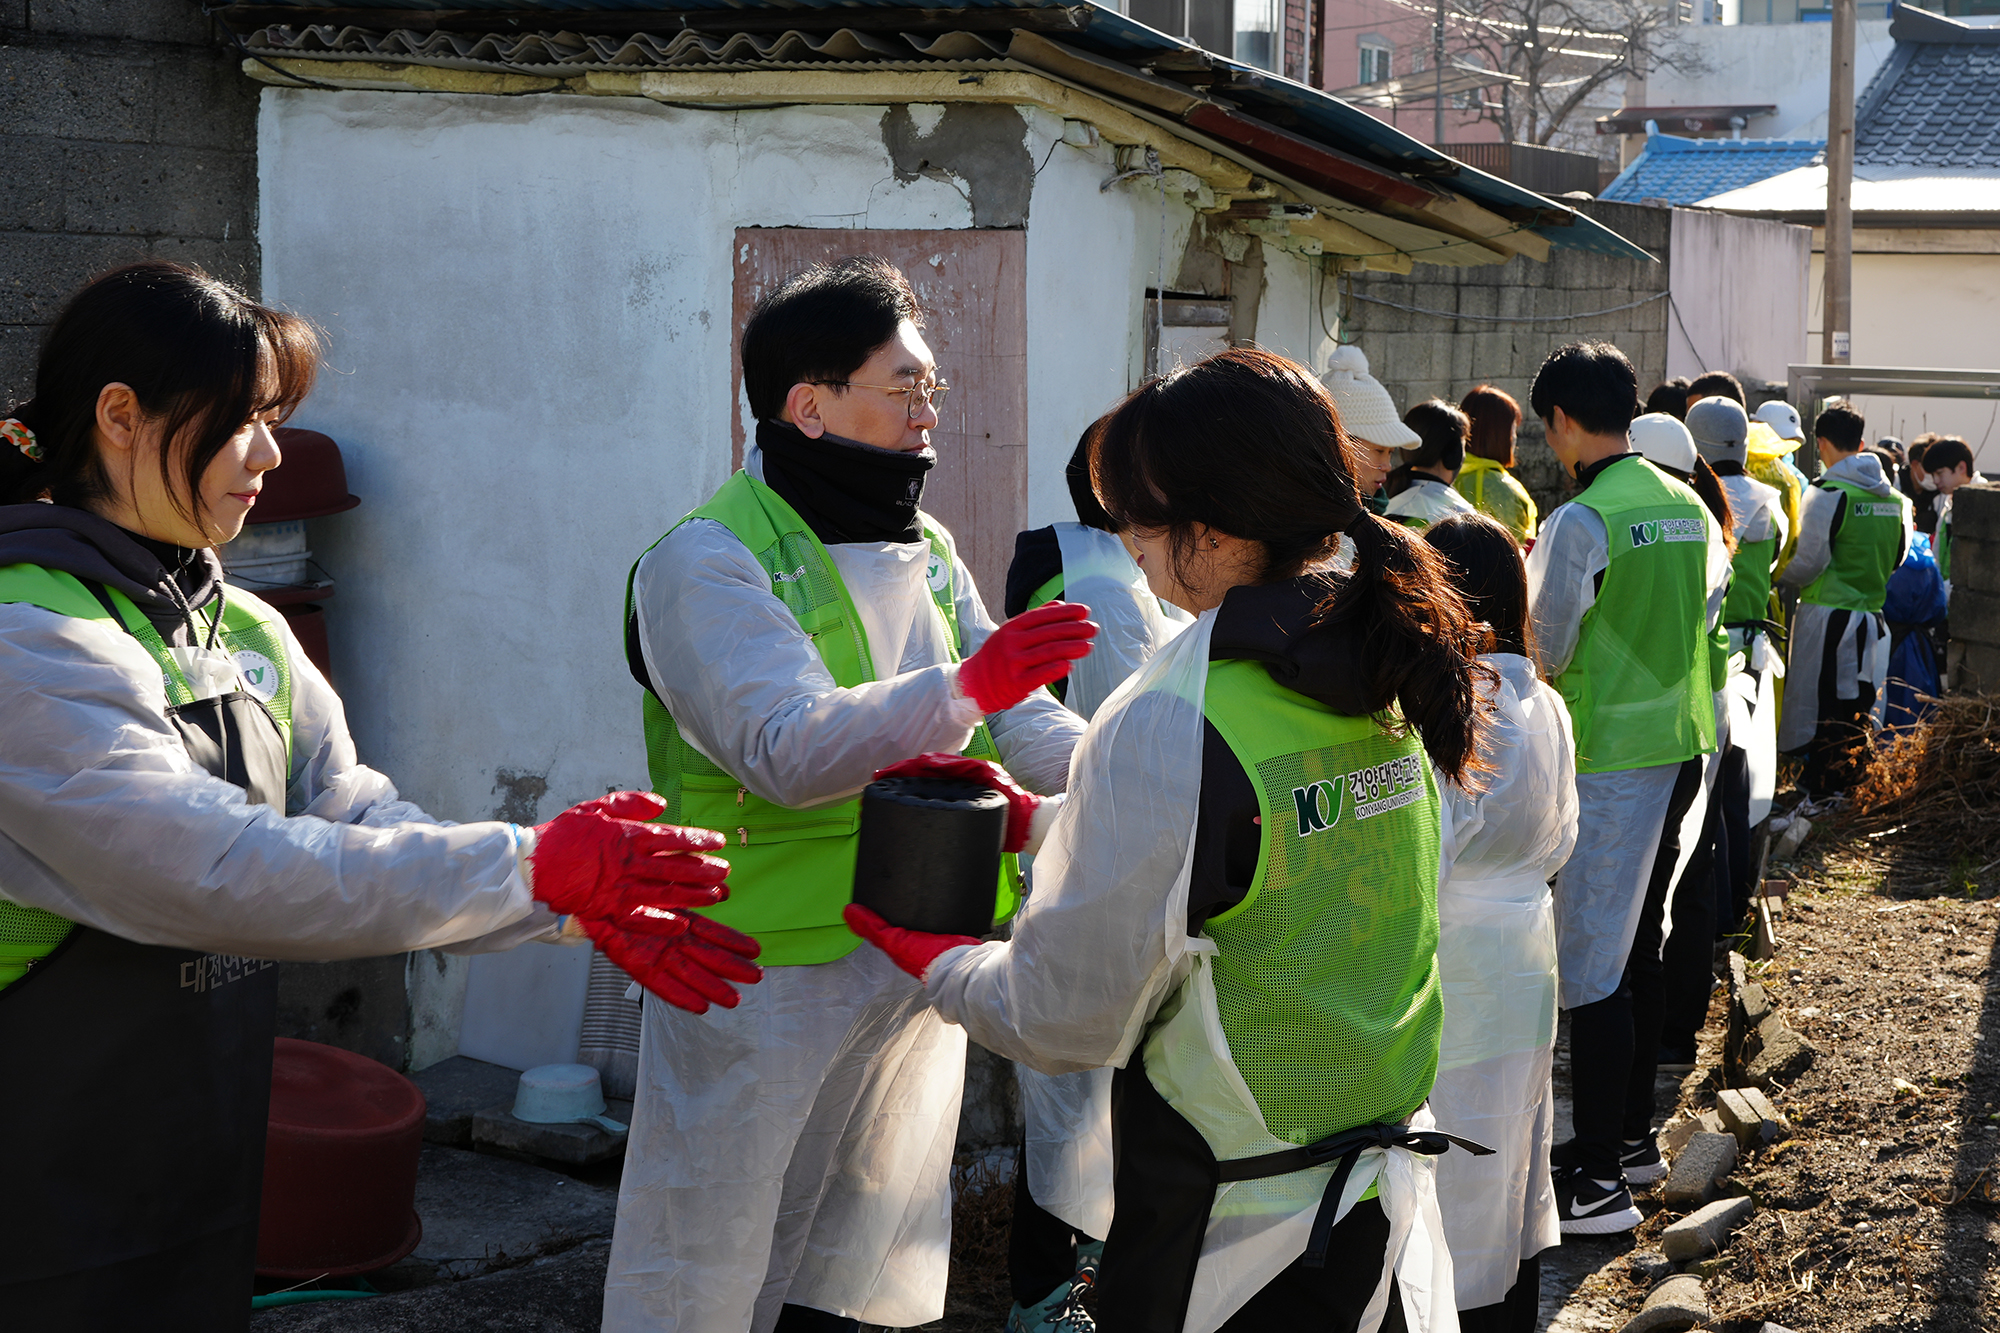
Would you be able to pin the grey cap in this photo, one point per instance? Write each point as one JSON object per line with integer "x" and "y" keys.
{"x": 1721, "y": 430}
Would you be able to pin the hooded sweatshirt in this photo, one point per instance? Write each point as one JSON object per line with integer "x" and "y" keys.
{"x": 163, "y": 581}
{"x": 1822, "y": 511}
{"x": 1273, "y": 624}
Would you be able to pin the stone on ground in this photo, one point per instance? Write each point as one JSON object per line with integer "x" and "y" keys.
{"x": 457, "y": 1089}
{"x": 1782, "y": 1056}
{"x": 572, "y": 1144}
{"x": 1674, "y": 1305}
{"x": 1650, "y": 1265}
{"x": 1748, "y": 1114}
{"x": 480, "y": 1212}
{"x": 1705, "y": 1231}
{"x": 1699, "y": 1169}
{"x": 1675, "y": 1136}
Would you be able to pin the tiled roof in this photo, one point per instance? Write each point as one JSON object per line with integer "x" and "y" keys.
{"x": 1933, "y": 103}
{"x": 1882, "y": 194}
{"x": 1685, "y": 171}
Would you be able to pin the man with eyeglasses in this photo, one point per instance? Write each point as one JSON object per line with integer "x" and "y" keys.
{"x": 789, "y": 1162}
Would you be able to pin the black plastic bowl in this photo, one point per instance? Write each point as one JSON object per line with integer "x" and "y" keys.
{"x": 929, "y": 857}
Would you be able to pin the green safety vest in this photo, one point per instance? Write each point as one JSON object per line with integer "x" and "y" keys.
{"x": 1749, "y": 596}
{"x": 1326, "y": 974}
{"x": 1943, "y": 544}
{"x": 1499, "y": 494}
{"x": 1638, "y": 687}
{"x": 28, "y": 934}
{"x": 1866, "y": 550}
{"x": 791, "y": 870}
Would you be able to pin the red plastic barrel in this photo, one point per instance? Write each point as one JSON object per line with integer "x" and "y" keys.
{"x": 340, "y": 1166}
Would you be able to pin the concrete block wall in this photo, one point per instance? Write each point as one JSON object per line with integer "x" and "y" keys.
{"x": 127, "y": 132}
{"x": 1417, "y": 355}
{"x": 1975, "y": 588}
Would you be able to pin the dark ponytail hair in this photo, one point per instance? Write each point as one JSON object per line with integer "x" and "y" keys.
{"x": 1495, "y": 416}
{"x": 1487, "y": 570}
{"x": 1250, "y": 444}
{"x": 201, "y": 357}
{"x": 1708, "y": 486}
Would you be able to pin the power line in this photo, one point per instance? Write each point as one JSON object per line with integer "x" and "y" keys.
{"x": 1504, "y": 319}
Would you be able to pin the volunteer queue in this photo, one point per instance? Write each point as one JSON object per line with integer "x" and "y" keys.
{"x": 1332, "y": 774}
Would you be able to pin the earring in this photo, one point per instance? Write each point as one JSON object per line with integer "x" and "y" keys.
{"x": 1214, "y": 545}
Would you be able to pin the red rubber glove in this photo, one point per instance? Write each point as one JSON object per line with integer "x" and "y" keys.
{"x": 685, "y": 959}
{"x": 912, "y": 950}
{"x": 1021, "y": 803}
{"x": 1027, "y": 652}
{"x": 602, "y": 859}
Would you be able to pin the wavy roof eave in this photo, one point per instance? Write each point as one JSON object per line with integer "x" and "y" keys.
{"x": 1305, "y": 112}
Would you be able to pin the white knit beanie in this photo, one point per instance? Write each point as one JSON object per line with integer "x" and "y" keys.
{"x": 1366, "y": 411}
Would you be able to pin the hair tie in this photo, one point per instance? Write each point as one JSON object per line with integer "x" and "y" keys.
{"x": 16, "y": 432}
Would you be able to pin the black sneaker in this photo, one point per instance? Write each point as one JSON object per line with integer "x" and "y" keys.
{"x": 1589, "y": 1207}
{"x": 1674, "y": 1061}
{"x": 1641, "y": 1161}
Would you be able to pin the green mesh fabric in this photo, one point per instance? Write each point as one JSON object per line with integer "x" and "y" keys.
{"x": 1865, "y": 550}
{"x": 1638, "y": 684}
{"x": 1326, "y": 976}
{"x": 27, "y": 935}
{"x": 791, "y": 871}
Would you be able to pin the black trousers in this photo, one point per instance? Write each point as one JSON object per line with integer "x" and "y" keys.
{"x": 1688, "y": 961}
{"x": 1614, "y": 1043}
{"x": 1041, "y": 1247}
{"x": 1329, "y": 1299}
{"x": 805, "y": 1319}
{"x": 1517, "y": 1312}
{"x": 1734, "y": 873}
{"x": 1839, "y": 747}
{"x": 202, "y": 1286}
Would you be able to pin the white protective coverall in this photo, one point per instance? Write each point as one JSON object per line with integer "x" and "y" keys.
{"x": 1426, "y": 501}
{"x": 798, "y": 1148}
{"x": 1602, "y": 888}
{"x": 1497, "y": 959}
{"x": 108, "y": 822}
{"x": 1102, "y": 944}
{"x": 1755, "y": 664}
{"x": 1067, "y": 1117}
{"x": 1861, "y": 652}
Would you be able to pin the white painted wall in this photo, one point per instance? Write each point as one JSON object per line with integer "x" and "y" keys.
{"x": 1934, "y": 310}
{"x": 1738, "y": 287}
{"x": 1785, "y": 63}
{"x": 527, "y": 305}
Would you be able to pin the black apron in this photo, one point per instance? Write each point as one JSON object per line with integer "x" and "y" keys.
{"x": 141, "y": 1088}
{"x": 1164, "y": 1178}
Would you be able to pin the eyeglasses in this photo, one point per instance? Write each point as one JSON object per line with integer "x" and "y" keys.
{"x": 915, "y": 397}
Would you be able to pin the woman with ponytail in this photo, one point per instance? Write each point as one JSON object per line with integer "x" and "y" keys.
{"x": 1237, "y": 907}
{"x": 180, "y": 803}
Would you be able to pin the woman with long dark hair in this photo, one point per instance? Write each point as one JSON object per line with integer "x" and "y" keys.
{"x": 1238, "y": 905}
{"x": 180, "y": 802}
{"x": 1487, "y": 479}
{"x": 1497, "y": 952}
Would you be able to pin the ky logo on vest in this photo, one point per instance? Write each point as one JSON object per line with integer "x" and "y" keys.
{"x": 1669, "y": 530}
{"x": 1376, "y": 790}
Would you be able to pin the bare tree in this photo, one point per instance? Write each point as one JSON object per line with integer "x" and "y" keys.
{"x": 1562, "y": 54}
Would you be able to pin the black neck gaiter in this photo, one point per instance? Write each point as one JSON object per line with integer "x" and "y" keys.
{"x": 845, "y": 491}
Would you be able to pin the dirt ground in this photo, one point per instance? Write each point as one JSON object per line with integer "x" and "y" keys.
{"x": 1882, "y": 1209}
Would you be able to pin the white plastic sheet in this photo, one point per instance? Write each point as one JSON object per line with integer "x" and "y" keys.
{"x": 1497, "y": 961}
{"x": 1601, "y": 889}
{"x": 1068, "y": 1116}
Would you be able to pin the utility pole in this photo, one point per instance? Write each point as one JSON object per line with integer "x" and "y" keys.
{"x": 1437, "y": 63}
{"x": 1837, "y": 327}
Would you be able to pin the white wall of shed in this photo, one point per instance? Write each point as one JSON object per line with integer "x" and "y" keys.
{"x": 527, "y": 305}
{"x": 1738, "y": 287}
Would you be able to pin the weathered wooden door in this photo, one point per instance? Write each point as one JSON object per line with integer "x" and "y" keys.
{"x": 972, "y": 285}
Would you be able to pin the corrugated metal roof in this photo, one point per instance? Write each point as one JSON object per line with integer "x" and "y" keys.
{"x": 1300, "y": 131}
{"x": 1686, "y": 171}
